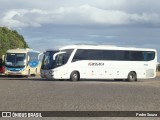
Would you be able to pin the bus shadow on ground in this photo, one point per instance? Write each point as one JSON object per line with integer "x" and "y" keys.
{"x": 83, "y": 80}
{"x": 33, "y": 78}
{"x": 57, "y": 80}
{"x": 13, "y": 77}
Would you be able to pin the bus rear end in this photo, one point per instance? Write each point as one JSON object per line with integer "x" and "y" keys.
{"x": 2, "y": 70}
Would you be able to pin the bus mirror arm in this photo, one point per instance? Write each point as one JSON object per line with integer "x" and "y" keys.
{"x": 28, "y": 58}
{"x": 55, "y": 55}
{"x": 3, "y": 58}
{"x": 40, "y": 55}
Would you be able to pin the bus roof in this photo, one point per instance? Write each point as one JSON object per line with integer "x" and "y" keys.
{"x": 18, "y": 50}
{"x": 105, "y": 47}
{"x": 52, "y": 49}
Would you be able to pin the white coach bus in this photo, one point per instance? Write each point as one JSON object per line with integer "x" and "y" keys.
{"x": 99, "y": 62}
{"x": 22, "y": 62}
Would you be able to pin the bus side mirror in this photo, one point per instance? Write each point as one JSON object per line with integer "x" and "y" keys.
{"x": 40, "y": 55}
{"x": 28, "y": 58}
{"x": 3, "y": 57}
{"x": 54, "y": 56}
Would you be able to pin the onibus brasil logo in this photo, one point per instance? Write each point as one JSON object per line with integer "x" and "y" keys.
{"x": 21, "y": 114}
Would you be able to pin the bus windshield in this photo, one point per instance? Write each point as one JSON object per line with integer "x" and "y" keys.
{"x": 49, "y": 62}
{"x": 15, "y": 60}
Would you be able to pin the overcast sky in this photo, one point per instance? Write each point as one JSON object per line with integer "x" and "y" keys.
{"x": 55, "y": 23}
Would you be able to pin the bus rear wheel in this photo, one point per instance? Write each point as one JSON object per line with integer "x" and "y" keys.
{"x": 132, "y": 76}
{"x": 75, "y": 76}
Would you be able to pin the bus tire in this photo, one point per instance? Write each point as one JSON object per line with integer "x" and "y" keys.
{"x": 132, "y": 76}
{"x": 35, "y": 73}
{"x": 74, "y": 76}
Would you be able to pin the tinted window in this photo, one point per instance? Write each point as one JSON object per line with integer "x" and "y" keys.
{"x": 48, "y": 62}
{"x": 84, "y": 54}
{"x": 15, "y": 60}
{"x": 136, "y": 56}
{"x": 148, "y": 55}
{"x": 88, "y": 55}
{"x": 67, "y": 55}
{"x": 61, "y": 59}
{"x": 33, "y": 56}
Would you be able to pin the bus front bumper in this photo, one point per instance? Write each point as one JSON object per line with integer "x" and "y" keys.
{"x": 47, "y": 74}
{"x": 7, "y": 72}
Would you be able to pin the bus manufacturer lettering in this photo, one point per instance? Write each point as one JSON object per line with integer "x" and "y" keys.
{"x": 95, "y": 64}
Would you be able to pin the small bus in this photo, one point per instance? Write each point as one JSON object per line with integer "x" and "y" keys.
{"x": 99, "y": 62}
{"x": 23, "y": 62}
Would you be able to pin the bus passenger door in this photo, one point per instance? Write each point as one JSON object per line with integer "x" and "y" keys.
{"x": 61, "y": 69}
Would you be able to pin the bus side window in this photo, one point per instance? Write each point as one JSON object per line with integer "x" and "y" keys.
{"x": 148, "y": 56}
{"x": 60, "y": 60}
{"x": 79, "y": 55}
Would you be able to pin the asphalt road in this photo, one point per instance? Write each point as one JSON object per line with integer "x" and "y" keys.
{"x": 35, "y": 94}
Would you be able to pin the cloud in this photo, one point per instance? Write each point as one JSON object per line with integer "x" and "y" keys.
{"x": 22, "y": 18}
{"x": 52, "y": 23}
{"x": 82, "y": 15}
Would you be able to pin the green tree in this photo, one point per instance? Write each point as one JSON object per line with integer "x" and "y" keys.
{"x": 10, "y": 39}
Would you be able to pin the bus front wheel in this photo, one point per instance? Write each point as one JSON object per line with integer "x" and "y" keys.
{"x": 75, "y": 76}
{"x": 132, "y": 76}
{"x": 35, "y": 73}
